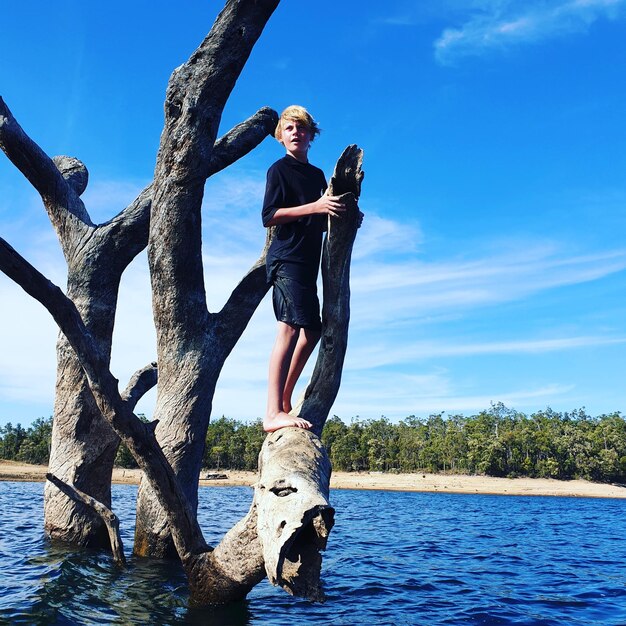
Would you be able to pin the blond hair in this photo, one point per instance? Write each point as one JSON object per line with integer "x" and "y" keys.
{"x": 297, "y": 114}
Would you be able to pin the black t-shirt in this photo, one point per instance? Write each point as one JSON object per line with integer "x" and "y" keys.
{"x": 297, "y": 245}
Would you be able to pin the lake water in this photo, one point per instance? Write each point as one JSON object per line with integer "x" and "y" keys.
{"x": 393, "y": 558}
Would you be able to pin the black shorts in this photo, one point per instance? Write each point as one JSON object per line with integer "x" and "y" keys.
{"x": 296, "y": 302}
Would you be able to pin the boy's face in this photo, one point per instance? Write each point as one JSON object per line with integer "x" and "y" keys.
{"x": 296, "y": 138}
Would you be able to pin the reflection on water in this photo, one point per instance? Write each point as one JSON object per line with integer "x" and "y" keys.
{"x": 393, "y": 558}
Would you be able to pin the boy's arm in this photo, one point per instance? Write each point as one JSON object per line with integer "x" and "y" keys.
{"x": 325, "y": 205}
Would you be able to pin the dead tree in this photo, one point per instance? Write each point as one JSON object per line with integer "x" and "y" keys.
{"x": 282, "y": 542}
{"x": 290, "y": 517}
{"x": 83, "y": 445}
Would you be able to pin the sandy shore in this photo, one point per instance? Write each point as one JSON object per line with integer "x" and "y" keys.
{"x": 433, "y": 483}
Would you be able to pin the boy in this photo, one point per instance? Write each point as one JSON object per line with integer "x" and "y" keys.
{"x": 296, "y": 203}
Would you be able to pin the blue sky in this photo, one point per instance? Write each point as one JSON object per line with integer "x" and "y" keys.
{"x": 491, "y": 265}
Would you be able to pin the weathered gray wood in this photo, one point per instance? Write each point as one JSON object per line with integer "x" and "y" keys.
{"x": 290, "y": 517}
{"x": 83, "y": 446}
{"x": 140, "y": 383}
{"x": 294, "y": 513}
{"x": 109, "y": 518}
{"x": 192, "y": 343}
{"x": 138, "y": 437}
{"x": 321, "y": 392}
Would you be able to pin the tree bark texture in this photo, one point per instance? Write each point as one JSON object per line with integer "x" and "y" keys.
{"x": 83, "y": 446}
{"x": 137, "y": 436}
{"x": 192, "y": 343}
{"x": 294, "y": 513}
{"x": 321, "y": 392}
{"x": 290, "y": 518}
{"x": 109, "y": 518}
{"x": 295, "y": 516}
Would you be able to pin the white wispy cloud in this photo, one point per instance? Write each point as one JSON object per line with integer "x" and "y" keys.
{"x": 411, "y": 289}
{"x": 379, "y": 235}
{"x": 490, "y": 25}
{"x": 379, "y": 353}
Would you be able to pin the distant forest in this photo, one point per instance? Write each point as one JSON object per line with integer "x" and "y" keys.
{"x": 495, "y": 442}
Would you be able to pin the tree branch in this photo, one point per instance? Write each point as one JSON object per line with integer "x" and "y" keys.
{"x": 236, "y": 564}
{"x": 40, "y": 170}
{"x": 195, "y": 98}
{"x": 242, "y": 139}
{"x": 196, "y": 94}
{"x": 139, "y": 384}
{"x": 291, "y": 503}
{"x": 322, "y": 390}
{"x": 231, "y": 321}
{"x": 198, "y": 89}
{"x": 128, "y": 231}
{"x": 109, "y": 518}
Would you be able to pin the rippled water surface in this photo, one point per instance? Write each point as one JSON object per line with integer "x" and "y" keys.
{"x": 393, "y": 558}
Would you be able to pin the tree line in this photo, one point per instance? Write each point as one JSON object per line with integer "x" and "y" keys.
{"x": 495, "y": 442}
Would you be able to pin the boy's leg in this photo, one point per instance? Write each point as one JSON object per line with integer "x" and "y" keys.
{"x": 282, "y": 353}
{"x": 307, "y": 340}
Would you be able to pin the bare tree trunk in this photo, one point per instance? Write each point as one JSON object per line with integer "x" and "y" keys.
{"x": 83, "y": 445}
{"x": 295, "y": 516}
{"x": 290, "y": 518}
{"x": 192, "y": 343}
{"x": 83, "y": 449}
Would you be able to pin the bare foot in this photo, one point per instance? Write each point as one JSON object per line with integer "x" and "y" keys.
{"x": 283, "y": 420}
